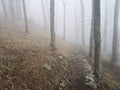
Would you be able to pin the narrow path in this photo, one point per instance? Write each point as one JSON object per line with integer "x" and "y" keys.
{"x": 74, "y": 79}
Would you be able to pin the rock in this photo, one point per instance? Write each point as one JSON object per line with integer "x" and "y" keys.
{"x": 91, "y": 74}
{"x": 90, "y": 81}
{"x": 46, "y": 66}
{"x": 91, "y": 84}
{"x": 61, "y": 57}
{"x": 89, "y": 78}
{"x": 84, "y": 60}
{"x": 88, "y": 67}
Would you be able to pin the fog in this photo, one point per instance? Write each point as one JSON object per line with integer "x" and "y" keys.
{"x": 59, "y": 44}
{"x": 73, "y": 11}
{"x": 37, "y": 11}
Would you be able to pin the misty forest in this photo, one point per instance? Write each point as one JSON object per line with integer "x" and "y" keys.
{"x": 59, "y": 45}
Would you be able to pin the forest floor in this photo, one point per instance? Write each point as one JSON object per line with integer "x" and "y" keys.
{"x": 74, "y": 78}
{"x": 28, "y": 63}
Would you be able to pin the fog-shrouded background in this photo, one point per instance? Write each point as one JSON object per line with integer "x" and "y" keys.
{"x": 73, "y": 11}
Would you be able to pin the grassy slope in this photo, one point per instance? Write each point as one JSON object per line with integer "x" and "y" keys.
{"x": 22, "y": 59}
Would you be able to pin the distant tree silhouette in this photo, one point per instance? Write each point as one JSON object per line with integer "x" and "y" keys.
{"x": 52, "y": 23}
{"x": 25, "y": 16}
{"x": 115, "y": 33}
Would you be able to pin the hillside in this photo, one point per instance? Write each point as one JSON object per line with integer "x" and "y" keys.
{"x": 28, "y": 63}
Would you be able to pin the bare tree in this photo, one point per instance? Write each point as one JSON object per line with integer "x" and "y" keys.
{"x": 64, "y": 20}
{"x": 91, "y": 46}
{"x": 82, "y": 22}
{"x": 115, "y": 34}
{"x": 52, "y": 23}
{"x": 105, "y": 29}
{"x": 44, "y": 15}
{"x": 25, "y": 15}
{"x": 97, "y": 38}
{"x": 19, "y": 13}
{"x": 4, "y": 8}
{"x": 12, "y": 9}
{"x": 76, "y": 24}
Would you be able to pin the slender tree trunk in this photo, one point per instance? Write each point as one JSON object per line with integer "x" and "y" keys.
{"x": 76, "y": 24}
{"x": 44, "y": 15}
{"x": 64, "y": 6}
{"x": 19, "y": 13}
{"x": 82, "y": 22}
{"x": 11, "y": 4}
{"x": 91, "y": 46}
{"x": 25, "y": 15}
{"x": 115, "y": 34}
{"x": 97, "y": 39}
{"x": 52, "y": 23}
{"x": 105, "y": 30}
{"x": 4, "y": 8}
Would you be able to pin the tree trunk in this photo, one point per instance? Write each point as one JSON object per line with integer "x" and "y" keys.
{"x": 97, "y": 38}
{"x": 82, "y": 22}
{"x": 25, "y": 15}
{"x": 76, "y": 24}
{"x": 19, "y": 13}
{"x": 4, "y": 9}
{"x": 52, "y": 23}
{"x": 91, "y": 46}
{"x": 105, "y": 29}
{"x": 44, "y": 15}
{"x": 115, "y": 34}
{"x": 64, "y": 6}
{"x": 12, "y": 9}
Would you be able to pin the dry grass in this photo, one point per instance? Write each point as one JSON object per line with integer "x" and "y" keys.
{"x": 22, "y": 57}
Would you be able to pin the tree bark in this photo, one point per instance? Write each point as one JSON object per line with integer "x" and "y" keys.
{"x": 52, "y": 23}
{"x": 115, "y": 34}
{"x": 25, "y": 16}
{"x": 97, "y": 39}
